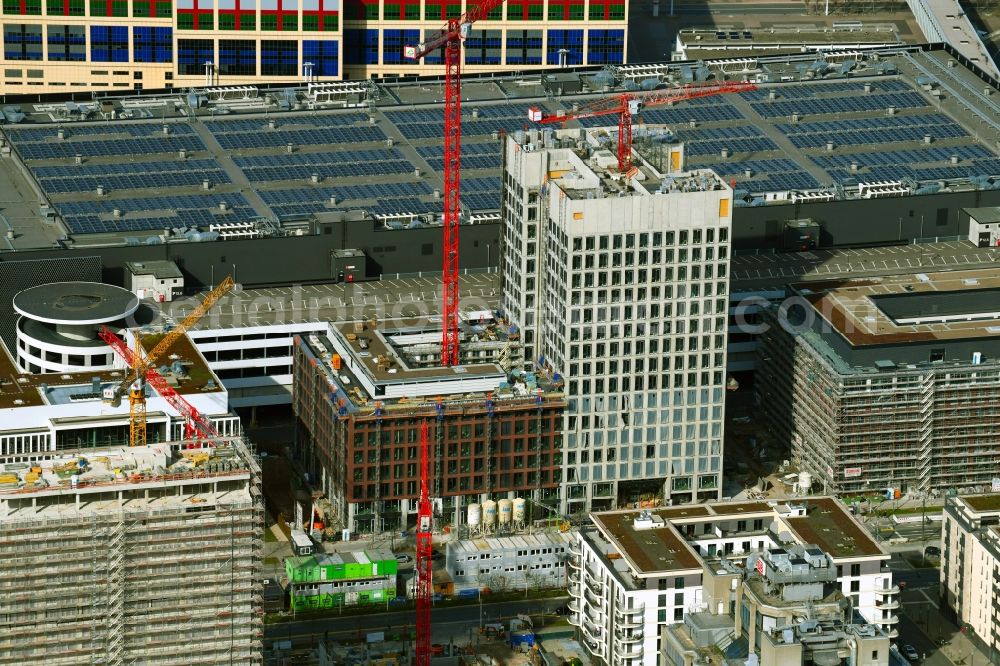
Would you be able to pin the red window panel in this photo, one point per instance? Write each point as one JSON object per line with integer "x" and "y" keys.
{"x": 320, "y": 14}
{"x": 565, "y": 13}
{"x": 414, "y": 11}
{"x": 279, "y": 14}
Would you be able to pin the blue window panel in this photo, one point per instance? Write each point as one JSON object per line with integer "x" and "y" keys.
{"x": 569, "y": 40}
{"x": 324, "y": 54}
{"x": 192, "y": 54}
{"x": 361, "y": 47}
{"x": 605, "y": 47}
{"x": 109, "y": 43}
{"x": 393, "y": 42}
{"x": 152, "y": 44}
{"x": 279, "y": 57}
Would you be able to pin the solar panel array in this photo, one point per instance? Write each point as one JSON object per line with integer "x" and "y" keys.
{"x": 827, "y": 105}
{"x": 339, "y": 164}
{"x": 474, "y": 156}
{"x": 481, "y": 193}
{"x": 130, "y": 175}
{"x": 684, "y": 112}
{"x": 738, "y": 139}
{"x": 154, "y": 213}
{"x": 766, "y": 175}
{"x": 870, "y": 131}
{"x": 811, "y": 90}
{"x": 258, "y": 137}
{"x": 428, "y": 123}
{"x": 381, "y": 199}
{"x": 53, "y": 148}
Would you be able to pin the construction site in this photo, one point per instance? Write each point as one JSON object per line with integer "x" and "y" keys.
{"x": 132, "y": 555}
{"x": 887, "y": 385}
{"x": 361, "y": 391}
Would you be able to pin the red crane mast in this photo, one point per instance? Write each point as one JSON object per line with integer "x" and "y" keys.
{"x": 626, "y": 105}
{"x": 450, "y": 38}
{"x": 424, "y": 564}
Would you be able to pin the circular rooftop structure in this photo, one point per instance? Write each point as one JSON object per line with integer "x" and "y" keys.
{"x": 76, "y": 303}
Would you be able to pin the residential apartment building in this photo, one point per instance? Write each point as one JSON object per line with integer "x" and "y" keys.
{"x": 145, "y": 554}
{"x": 970, "y": 566}
{"x": 334, "y": 580}
{"x": 636, "y": 573}
{"x": 620, "y": 287}
{"x": 72, "y": 45}
{"x": 887, "y": 383}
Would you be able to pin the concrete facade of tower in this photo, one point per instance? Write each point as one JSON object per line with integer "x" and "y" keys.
{"x": 620, "y": 287}
{"x": 116, "y": 45}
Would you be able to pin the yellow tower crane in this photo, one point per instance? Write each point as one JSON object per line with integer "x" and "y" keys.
{"x": 135, "y": 382}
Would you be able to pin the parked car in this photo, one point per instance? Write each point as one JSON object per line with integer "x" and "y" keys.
{"x": 403, "y": 558}
{"x": 910, "y": 653}
{"x": 932, "y": 551}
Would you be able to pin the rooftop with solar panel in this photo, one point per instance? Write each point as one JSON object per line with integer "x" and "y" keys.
{"x": 243, "y": 162}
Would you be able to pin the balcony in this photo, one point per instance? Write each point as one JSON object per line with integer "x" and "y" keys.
{"x": 595, "y": 616}
{"x": 886, "y": 590}
{"x": 574, "y": 548}
{"x": 574, "y": 578}
{"x": 595, "y": 599}
{"x": 596, "y": 585}
{"x": 575, "y": 590}
{"x": 574, "y": 561}
{"x": 887, "y": 604}
{"x": 574, "y": 606}
{"x": 892, "y": 619}
{"x": 630, "y": 652}
{"x": 630, "y": 618}
{"x": 892, "y": 633}
{"x": 628, "y": 636}
{"x": 593, "y": 633}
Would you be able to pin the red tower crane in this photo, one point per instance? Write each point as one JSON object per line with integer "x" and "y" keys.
{"x": 424, "y": 564}
{"x": 450, "y": 38}
{"x": 629, "y": 104}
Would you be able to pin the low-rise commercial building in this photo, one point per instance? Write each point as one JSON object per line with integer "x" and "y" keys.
{"x": 521, "y": 561}
{"x": 636, "y": 573}
{"x": 970, "y": 566}
{"x": 332, "y": 580}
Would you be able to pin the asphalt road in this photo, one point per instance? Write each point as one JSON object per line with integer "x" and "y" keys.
{"x": 448, "y": 620}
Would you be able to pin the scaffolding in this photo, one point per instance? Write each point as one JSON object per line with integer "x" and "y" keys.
{"x": 167, "y": 573}
{"x": 923, "y": 428}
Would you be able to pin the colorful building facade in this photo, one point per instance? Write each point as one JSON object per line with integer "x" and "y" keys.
{"x": 69, "y": 45}
{"x": 341, "y": 579}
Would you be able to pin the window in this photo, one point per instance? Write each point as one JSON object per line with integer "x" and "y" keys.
{"x": 566, "y": 10}
{"x": 23, "y": 7}
{"x": 678, "y": 614}
{"x": 278, "y": 57}
{"x": 393, "y": 42}
{"x": 65, "y": 8}
{"x": 324, "y": 54}
{"x": 279, "y": 15}
{"x": 152, "y": 44}
{"x": 606, "y": 10}
{"x": 237, "y": 15}
{"x": 937, "y": 355}
{"x": 22, "y": 41}
{"x": 321, "y": 15}
{"x": 566, "y": 45}
{"x": 482, "y": 47}
{"x": 109, "y": 43}
{"x": 237, "y": 57}
{"x": 401, "y": 10}
{"x": 605, "y": 46}
{"x": 441, "y": 10}
{"x": 679, "y": 583}
{"x": 874, "y": 655}
{"x": 524, "y": 10}
{"x": 855, "y": 586}
{"x": 361, "y": 47}
{"x": 152, "y": 8}
{"x": 194, "y": 15}
{"x": 67, "y": 42}
{"x": 192, "y": 54}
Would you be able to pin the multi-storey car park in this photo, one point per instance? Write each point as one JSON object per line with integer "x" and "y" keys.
{"x": 132, "y": 555}
{"x": 104, "y": 45}
{"x": 887, "y": 382}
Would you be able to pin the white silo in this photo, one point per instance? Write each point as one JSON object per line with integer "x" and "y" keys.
{"x": 520, "y": 511}
{"x": 475, "y": 517}
{"x": 489, "y": 515}
{"x": 506, "y": 509}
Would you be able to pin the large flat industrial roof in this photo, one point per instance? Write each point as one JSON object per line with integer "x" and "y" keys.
{"x": 921, "y": 307}
{"x": 905, "y": 116}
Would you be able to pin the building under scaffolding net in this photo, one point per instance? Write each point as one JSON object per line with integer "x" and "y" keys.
{"x": 144, "y": 555}
{"x": 887, "y": 384}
